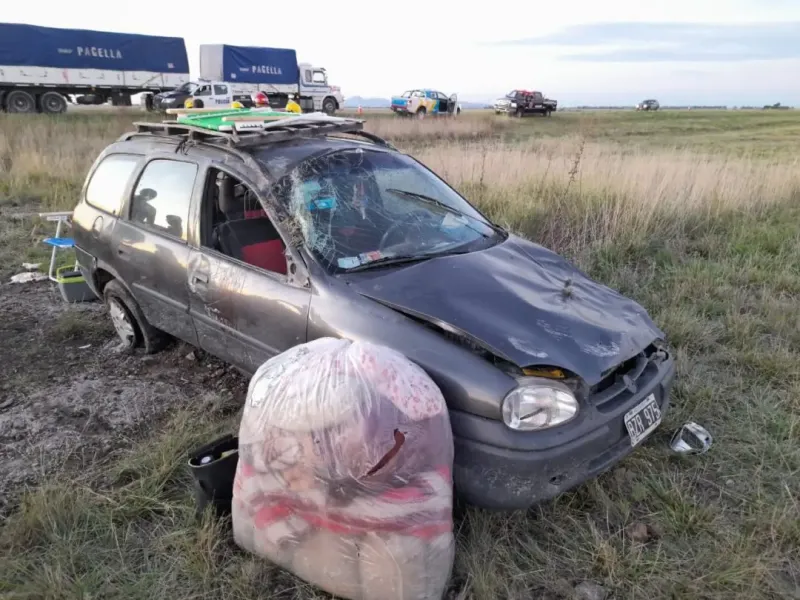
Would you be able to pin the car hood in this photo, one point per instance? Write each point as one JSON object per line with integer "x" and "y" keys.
{"x": 521, "y": 301}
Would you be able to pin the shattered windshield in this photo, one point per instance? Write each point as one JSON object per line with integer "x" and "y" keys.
{"x": 512, "y": 94}
{"x": 357, "y": 207}
{"x": 406, "y": 94}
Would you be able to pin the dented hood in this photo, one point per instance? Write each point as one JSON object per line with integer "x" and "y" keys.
{"x": 521, "y": 301}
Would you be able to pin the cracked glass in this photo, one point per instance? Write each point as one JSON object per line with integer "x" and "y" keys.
{"x": 359, "y": 207}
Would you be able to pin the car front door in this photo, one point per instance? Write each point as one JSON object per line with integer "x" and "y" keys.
{"x": 243, "y": 313}
{"x": 152, "y": 242}
{"x": 221, "y": 95}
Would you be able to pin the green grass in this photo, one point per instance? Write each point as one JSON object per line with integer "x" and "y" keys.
{"x": 722, "y": 279}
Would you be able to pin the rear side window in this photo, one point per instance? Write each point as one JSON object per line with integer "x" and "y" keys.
{"x": 107, "y": 185}
{"x": 162, "y": 196}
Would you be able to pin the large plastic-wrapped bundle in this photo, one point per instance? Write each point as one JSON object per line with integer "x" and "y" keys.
{"x": 345, "y": 472}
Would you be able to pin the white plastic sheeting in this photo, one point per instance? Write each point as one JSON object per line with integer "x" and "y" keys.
{"x": 345, "y": 472}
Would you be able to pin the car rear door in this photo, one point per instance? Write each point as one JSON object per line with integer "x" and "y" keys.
{"x": 243, "y": 314}
{"x": 152, "y": 242}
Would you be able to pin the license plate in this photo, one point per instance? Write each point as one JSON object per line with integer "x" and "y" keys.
{"x": 642, "y": 419}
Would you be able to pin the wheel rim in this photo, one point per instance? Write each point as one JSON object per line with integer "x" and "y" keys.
{"x": 20, "y": 103}
{"x": 122, "y": 322}
{"x": 52, "y": 103}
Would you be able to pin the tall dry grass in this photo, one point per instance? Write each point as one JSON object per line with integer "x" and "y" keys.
{"x": 569, "y": 193}
{"x": 574, "y": 195}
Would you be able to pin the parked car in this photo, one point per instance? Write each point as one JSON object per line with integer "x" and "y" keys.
{"x": 422, "y": 103}
{"x": 247, "y": 244}
{"x": 518, "y": 103}
{"x": 648, "y": 105}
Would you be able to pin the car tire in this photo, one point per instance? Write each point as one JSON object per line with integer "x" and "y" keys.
{"x": 129, "y": 322}
{"x": 53, "y": 103}
{"x": 421, "y": 113}
{"x": 20, "y": 101}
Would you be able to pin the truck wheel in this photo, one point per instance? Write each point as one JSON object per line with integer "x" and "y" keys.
{"x": 329, "y": 106}
{"x": 547, "y": 113}
{"x": 53, "y": 103}
{"x": 421, "y": 112}
{"x": 198, "y": 104}
{"x": 20, "y": 101}
{"x": 520, "y": 113}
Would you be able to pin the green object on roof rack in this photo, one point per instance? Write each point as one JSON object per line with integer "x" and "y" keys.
{"x": 216, "y": 120}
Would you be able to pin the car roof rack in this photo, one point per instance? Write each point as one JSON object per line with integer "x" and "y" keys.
{"x": 238, "y": 128}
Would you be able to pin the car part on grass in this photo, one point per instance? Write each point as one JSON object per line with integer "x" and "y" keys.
{"x": 345, "y": 474}
{"x": 691, "y": 438}
{"x": 213, "y": 468}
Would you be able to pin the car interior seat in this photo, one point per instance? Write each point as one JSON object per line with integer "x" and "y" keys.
{"x": 252, "y": 240}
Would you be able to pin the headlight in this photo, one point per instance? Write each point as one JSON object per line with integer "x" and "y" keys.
{"x": 513, "y": 105}
{"x": 539, "y": 404}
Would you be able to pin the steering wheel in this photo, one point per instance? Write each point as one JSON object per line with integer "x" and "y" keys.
{"x": 418, "y": 216}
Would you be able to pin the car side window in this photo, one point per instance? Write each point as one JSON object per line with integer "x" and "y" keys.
{"x": 235, "y": 224}
{"x": 220, "y": 90}
{"x": 162, "y": 196}
{"x": 108, "y": 182}
{"x": 203, "y": 91}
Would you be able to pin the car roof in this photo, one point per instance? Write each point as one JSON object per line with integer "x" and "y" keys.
{"x": 276, "y": 159}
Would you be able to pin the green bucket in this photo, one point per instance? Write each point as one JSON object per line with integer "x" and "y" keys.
{"x": 73, "y": 286}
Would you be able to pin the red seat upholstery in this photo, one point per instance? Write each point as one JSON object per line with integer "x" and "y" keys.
{"x": 254, "y": 241}
{"x": 267, "y": 255}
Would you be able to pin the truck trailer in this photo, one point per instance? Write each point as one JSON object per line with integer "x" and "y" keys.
{"x": 237, "y": 73}
{"x": 42, "y": 68}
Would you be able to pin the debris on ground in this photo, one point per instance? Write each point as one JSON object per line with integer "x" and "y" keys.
{"x": 691, "y": 438}
{"x": 28, "y": 277}
{"x": 31, "y": 266}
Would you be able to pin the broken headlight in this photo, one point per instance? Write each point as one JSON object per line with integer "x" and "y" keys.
{"x": 539, "y": 404}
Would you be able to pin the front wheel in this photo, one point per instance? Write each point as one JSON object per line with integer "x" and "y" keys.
{"x": 329, "y": 106}
{"x": 421, "y": 113}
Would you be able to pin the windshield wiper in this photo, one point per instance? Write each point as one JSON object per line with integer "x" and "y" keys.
{"x": 390, "y": 260}
{"x": 446, "y": 207}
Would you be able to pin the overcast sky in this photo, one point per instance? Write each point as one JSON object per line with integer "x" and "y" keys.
{"x": 578, "y": 51}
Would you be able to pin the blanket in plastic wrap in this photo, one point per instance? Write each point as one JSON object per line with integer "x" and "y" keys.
{"x": 345, "y": 472}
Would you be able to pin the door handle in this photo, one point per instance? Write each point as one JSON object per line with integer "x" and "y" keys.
{"x": 199, "y": 278}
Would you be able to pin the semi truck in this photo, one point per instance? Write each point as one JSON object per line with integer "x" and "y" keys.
{"x": 237, "y": 73}
{"x": 44, "y": 68}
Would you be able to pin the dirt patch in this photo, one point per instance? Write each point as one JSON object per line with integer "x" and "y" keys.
{"x": 68, "y": 399}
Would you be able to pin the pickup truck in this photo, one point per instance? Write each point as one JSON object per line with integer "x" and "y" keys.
{"x": 237, "y": 73}
{"x": 518, "y": 103}
{"x": 424, "y": 102}
{"x": 42, "y": 69}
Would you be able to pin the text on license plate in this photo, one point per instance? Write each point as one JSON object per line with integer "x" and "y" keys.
{"x": 642, "y": 419}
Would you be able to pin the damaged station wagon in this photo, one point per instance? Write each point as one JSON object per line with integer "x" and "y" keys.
{"x": 249, "y": 241}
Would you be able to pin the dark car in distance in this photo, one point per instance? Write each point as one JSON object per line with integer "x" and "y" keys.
{"x": 650, "y": 104}
{"x": 246, "y": 245}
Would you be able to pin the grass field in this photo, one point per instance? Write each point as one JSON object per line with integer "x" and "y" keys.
{"x": 694, "y": 214}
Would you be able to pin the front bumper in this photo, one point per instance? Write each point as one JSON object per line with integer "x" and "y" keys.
{"x": 500, "y": 469}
